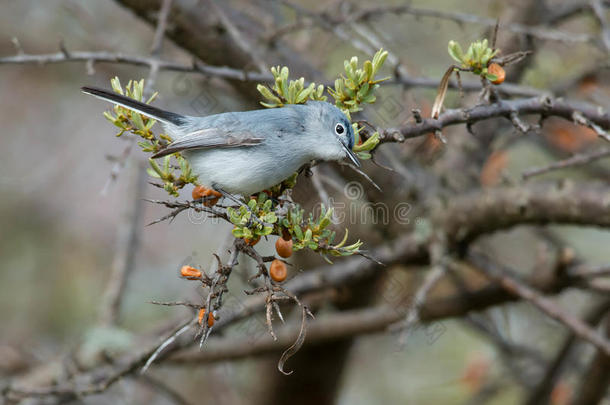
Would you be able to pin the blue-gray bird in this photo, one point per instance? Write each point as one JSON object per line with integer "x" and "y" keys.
{"x": 246, "y": 152}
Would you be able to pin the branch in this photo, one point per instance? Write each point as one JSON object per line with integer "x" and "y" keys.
{"x": 126, "y": 248}
{"x": 543, "y": 106}
{"x": 539, "y": 32}
{"x": 194, "y": 28}
{"x": 137, "y": 60}
{"x": 468, "y": 216}
{"x": 599, "y": 11}
{"x": 520, "y": 289}
{"x": 594, "y": 384}
{"x": 324, "y": 328}
{"x": 157, "y": 44}
{"x": 409, "y": 249}
{"x": 540, "y": 394}
{"x": 574, "y": 161}
{"x": 228, "y": 73}
{"x": 350, "y": 323}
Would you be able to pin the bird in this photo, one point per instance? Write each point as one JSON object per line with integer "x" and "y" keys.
{"x": 245, "y": 152}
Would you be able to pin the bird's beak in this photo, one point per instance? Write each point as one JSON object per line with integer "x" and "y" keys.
{"x": 351, "y": 155}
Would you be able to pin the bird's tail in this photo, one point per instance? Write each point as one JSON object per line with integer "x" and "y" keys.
{"x": 144, "y": 109}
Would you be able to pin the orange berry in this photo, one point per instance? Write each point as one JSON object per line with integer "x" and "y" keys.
{"x": 283, "y": 247}
{"x": 252, "y": 241}
{"x": 190, "y": 272}
{"x": 278, "y": 271}
{"x": 201, "y": 192}
{"x": 213, "y": 201}
{"x": 211, "y": 318}
{"x": 497, "y": 71}
{"x": 198, "y": 192}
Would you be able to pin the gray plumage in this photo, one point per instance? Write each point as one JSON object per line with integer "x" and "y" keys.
{"x": 246, "y": 152}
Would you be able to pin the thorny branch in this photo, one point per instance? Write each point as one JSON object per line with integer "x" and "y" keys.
{"x": 582, "y": 114}
{"x": 408, "y": 249}
{"x": 137, "y": 60}
{"x": 224, "y": 72}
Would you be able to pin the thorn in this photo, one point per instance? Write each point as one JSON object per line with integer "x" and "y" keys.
{"x": 17, "y": 46}
{"x": 518, "y": 123}
{"x": 90, "y": 67}
{"x": 417, "y": 115}
{"x": 63, "y": 49}
{"x": 438, "y": 134}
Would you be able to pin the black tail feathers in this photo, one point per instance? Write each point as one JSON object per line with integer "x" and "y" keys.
{"x": 145, "y": 109}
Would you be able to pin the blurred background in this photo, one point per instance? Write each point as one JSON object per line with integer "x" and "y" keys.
{"x": 62, "y": 215}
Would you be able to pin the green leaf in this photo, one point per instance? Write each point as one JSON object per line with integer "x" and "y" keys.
{"x": 116, "y": 85}
{"x": 152, "y": 173}
{"x": 369, "y": 145}
{"x": 308, "y": 235}
{"x": 491, "y": 77}
{"x": 270, "y": 218}
{"x": 368, "y": 69}
{"x": 136, "y": 118}
{"x": 298, "y": 232}
{"x": 379, "y": 60}
{"x": 455, "y": 51}
{"x": 155, "y": 167}
{"x": 266, "y": 93}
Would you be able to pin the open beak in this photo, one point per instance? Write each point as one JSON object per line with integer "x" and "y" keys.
{"x": 351, "y": 155}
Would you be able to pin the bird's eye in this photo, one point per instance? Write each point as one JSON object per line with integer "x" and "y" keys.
{"x": 339, "y": 129}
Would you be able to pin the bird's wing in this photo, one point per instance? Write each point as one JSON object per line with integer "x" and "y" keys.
{"x": 210, "y": 138}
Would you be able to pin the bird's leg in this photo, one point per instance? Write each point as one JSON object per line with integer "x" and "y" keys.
{"x": 306, "y": 168}
{"x": 236, "y": 200}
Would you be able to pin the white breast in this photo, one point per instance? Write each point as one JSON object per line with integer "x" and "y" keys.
{"x": 244, "y": 171}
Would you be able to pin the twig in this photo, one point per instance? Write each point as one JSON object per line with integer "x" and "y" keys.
{"x": 237, "y": 36}
{"x": 580, "y": 159}
{"x": 437, "y": 258}
{"x": 323, "y": 21}
{"x": 594, "y": 383}
{"x": 157, "y": 44}
{"x": 590, "y": 271}
{"x": 179, "y": 207}
{"x": 224, "y": 72}
{"x": 137, "y": 60}
{"x": 118, "y": 165}
{"x": 599, "y": 12}
{"x": 539, "y": 32}
{"x": 159, "y": 385}
{"x": 217, "y": 288}
{"x": 518, "y": 288}
{"x": 579, "y": 118}
{"x": 126, "y": 249}
{"x": 328, "y": 327}
{"x": 168, "y": 341}
{"x": 542, "y": 390}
